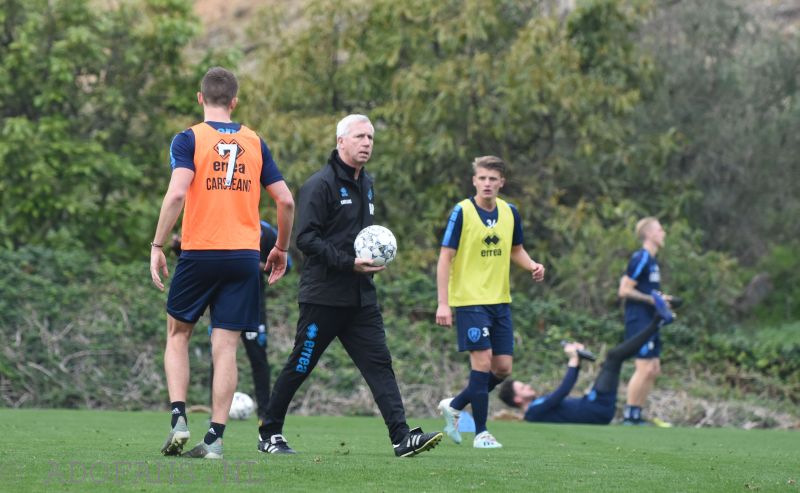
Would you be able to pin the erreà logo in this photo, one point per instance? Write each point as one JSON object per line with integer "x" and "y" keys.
{"x": 225, "y": 148}
{"x": 491, "y": 239}
{"x": 307, "y": 351}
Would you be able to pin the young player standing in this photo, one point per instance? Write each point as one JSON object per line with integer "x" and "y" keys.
{"x": 218, "y": 168}
{"x": 643, "y": 278}
{"x": 482, "y": 238}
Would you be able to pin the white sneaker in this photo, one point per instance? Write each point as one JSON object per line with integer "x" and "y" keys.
{"x": 450, "y": 419}
{"x": 486, "y": 440}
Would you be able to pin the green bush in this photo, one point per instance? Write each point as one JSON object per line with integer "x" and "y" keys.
{"x": 782, "y": 304}
{"x": 86, "y": 334}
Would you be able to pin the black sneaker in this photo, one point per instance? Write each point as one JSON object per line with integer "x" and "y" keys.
{"x": 416, "y": 442}
{"x": 276, "y": 444}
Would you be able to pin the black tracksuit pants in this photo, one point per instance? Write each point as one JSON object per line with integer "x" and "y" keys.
{"x": 608, "y": 379}
{"x": 360, "y": 330}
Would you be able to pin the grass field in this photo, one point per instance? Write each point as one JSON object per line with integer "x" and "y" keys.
{"x": 59, "y": 450}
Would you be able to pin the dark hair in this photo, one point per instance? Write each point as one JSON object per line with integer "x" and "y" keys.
{"x": 219, "y": 87}
{"x": 490, "y": 162}
{"x": 507, "y": 394}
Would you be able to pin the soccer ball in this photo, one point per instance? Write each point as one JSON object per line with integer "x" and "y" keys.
{"x": 376, "y": 243}
{"x": 242, "y": 406}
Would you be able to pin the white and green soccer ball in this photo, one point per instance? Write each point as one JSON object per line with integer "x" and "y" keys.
{"x": 242, "y": 406}
{"x": 376, "y": 243}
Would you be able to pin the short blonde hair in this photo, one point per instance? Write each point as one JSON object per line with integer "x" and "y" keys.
{"x": 643, "y": 225}
{"x": 489, "y": 162}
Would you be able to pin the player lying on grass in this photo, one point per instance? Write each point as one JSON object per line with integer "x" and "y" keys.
{"x": 599, "y": 404}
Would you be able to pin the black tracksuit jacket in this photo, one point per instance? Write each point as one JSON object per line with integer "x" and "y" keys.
{"x": 332, "y": 208}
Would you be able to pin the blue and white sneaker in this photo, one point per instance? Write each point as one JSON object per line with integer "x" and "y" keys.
{"x": 486, "y": 440}
{"x": 450, "y": 419}
{"x": 662, "y": 309}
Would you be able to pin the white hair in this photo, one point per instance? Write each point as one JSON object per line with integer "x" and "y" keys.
{"x": 343, "y": 127}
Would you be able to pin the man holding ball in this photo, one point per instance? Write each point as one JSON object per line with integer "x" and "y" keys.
{"x": 337, "y": 295}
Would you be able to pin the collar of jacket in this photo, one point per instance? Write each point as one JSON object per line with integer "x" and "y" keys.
{"x": 342, "y": 170}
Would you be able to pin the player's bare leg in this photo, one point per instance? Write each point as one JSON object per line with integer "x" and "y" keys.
{"x": 223, "y": 354}
{"x": 642, "y": 381}
{"x": 176, "y": 368}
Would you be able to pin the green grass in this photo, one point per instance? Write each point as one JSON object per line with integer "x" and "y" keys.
{"x": 59, "y": 450}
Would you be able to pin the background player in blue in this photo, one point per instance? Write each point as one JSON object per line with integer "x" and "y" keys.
{"x": 599, "y": 404}
{"x": 642, "y": 278}
{"x": 482, "y": 238}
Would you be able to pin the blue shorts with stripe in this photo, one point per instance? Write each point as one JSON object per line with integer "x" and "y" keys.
{"x": 482, "y": 327}
{"x": 228, "y": 283}
{"x": 650, "y": 349}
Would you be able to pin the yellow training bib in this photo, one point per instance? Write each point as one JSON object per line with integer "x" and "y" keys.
{"x": 480, "y": 269}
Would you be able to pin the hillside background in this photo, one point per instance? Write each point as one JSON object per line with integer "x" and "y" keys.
{"x": 606, "y": 110}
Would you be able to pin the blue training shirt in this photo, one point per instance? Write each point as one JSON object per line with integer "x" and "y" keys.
{"x": 452, "y": 233}
{"x": 181, "y": 152}
{"x": 592, "y": 408}
{"x": 181, "y": 155}
{"x": 642, "y": 268}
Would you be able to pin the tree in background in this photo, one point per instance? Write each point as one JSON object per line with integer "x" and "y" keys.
{"x": 445, "y": 82}
{"x": 728, "y": 92}
{"x": 86, "y": 99}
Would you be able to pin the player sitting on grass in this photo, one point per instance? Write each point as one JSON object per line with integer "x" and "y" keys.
{"x": 597, "y": 406}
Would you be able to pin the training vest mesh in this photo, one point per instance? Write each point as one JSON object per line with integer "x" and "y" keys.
{"x": 216, "y": 216}
{"x": 480, "y": 269}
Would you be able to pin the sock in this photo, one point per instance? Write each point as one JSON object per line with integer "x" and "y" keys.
{"x": 479, "y": 380}
{"x": 477, "y": 394}
{"x": 178, "y": 409}
{"x": 633, "y": 413}
{"x": 494, "y": 381}
{"x": 460, "y": 401}
{"x": 213, "y": 433}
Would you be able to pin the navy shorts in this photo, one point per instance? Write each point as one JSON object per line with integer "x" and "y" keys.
{"x": 229, "y": 285}
{"x": 650, "y": 349}
{"x": 482, "y": 327}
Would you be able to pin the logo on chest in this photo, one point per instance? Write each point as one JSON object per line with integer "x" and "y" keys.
{"x": 655, "y": 274}
{"x": 345, "y": 197}
{"x": 492, "y": 241}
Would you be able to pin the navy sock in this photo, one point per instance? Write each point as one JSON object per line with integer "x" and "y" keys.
{"x": 494, "y": 381}
{"x": 633, "y": 413}
{"x": 178, "y": 409}
{"x": 214, "y": 432}
{"x": 460, "y": 401}
{"x": 479, "y": 381}
{"x": 476, "y": 393}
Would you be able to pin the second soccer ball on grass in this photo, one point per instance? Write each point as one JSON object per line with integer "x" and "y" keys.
{"x": 242, "y": 406}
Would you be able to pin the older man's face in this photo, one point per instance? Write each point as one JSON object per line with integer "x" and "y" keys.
{"x": 355, "y": 148}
